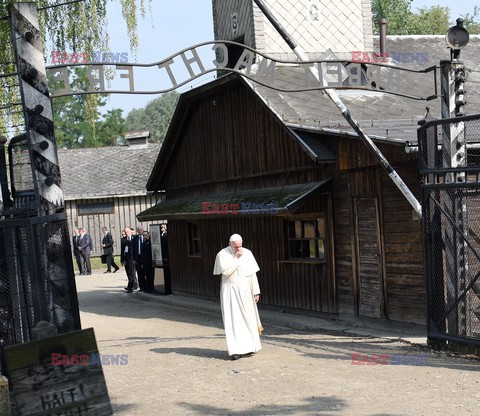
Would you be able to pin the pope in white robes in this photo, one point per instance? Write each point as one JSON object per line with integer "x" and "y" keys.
{"x": 239, "y": 295}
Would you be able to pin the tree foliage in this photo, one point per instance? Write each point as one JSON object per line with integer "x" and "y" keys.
{"x": 433, "y": 20}
{"x": 472, "y": 21}
{"x": 73, "y": 131}
{"x": 398, "y": 14}
{"x": 79, "y": 26}
{"x": 156, "y": 116}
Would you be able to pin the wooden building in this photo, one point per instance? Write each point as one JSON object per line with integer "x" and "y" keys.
{"x": 330, "y": 230}
{"x": 105, "y": 186}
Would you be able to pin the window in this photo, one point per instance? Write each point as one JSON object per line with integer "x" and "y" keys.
{"x": 234, "y": 52}
{"x": 98, "y": 208}
{"x": 306, "y": 239}
{"x": 193, "y": 240}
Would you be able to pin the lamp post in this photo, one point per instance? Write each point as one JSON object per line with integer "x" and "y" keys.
{"x": 457, "y": 38}
{"x": 454, "y": 154}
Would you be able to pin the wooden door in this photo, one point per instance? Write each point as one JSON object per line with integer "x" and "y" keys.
{"x": 369, "y": 279}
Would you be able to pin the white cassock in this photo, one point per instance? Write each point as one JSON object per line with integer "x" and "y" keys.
{"x": 239, "y": 309}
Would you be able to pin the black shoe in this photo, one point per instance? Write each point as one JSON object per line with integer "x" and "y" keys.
{"x": 129, "y": 291}
{"x": 127, "y": 288}
{"x": 108, "y": 271}
{"x": 89, "y": 273}
{"x": 235, "y": 357}
{"x": 116, "y": 270}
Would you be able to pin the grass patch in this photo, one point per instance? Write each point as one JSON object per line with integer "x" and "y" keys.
{"x": 97, "y": 265}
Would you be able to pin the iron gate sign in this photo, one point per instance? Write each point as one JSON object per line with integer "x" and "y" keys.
{"x": 259, "y": 68}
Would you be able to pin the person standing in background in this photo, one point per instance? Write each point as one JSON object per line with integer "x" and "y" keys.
{"x": 76, "y": 251}
{"x": 107, "y": 245}
{"x": 137, "y": 257}
{"x": 165, "y": 259}
{"x": 147, "y": 263}
{"x": 85, "y": 247}
{"x": 126, "y": 258}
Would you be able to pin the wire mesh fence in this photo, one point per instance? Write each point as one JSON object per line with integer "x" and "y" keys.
{"x": 37, "y": 280}
{"x": 450, "y": 167}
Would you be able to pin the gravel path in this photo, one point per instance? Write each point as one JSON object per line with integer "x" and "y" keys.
{"x": 178, "y": 365}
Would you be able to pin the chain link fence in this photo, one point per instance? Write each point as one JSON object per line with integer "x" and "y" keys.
{"x": 37, "y": 280}
{"x": 449, "y": 152}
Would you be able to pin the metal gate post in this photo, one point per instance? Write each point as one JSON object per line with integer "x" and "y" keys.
{"x": 37, "y": 106}
{"x": 454, "y": 155}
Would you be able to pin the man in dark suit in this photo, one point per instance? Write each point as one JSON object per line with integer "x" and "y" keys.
{"x": 137, "y": 257}
{"x": 165, "y": 261}
{"x": 76, "y": 251}
{"x": 107, "y": 244}
{"x": 147, "y": 263}
{"x": 85, "y": 246}
{"x": 126, "y": 258}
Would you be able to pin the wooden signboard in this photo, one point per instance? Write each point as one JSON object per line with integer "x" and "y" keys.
{"x": 156, "y": 242}
{"x": 55, "y": 376}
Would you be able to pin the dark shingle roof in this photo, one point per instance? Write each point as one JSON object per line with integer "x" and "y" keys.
{"x": 273, "y": 200}
{"x": 106, "y": 171}
{"x": 382, "y": 115}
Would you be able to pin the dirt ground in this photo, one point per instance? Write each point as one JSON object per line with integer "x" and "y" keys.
{"x": 178, "y": 365}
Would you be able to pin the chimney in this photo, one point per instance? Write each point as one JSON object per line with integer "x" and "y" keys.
{"x": 382, "y": 24}
{"x": 137, "y": 138}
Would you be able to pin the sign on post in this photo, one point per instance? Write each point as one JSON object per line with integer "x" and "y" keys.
{"x": 56, "y": 376}
{"x": 187, "y": 65}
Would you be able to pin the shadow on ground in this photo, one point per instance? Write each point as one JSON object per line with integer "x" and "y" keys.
{"x": 316, "y": 343}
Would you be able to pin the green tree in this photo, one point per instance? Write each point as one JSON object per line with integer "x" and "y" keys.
{"x": 77, "y": 26}
{"x": 111, "y": 130}
{"x": 471, "y": 21}
{"x": 73, "y": 131}
{"x": 155, "y": 117}
{"x": 73, "y": 128}
{"x": 397, "y": 12}
{"x": 431, "y": 21}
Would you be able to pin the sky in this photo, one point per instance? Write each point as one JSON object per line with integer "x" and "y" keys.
{"x": 171, "y": 27}
{"x": 176, "y": 25}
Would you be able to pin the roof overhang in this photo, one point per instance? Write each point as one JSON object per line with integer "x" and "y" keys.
{"x": 281, "y": 200}
{"x": 311, "y": 143}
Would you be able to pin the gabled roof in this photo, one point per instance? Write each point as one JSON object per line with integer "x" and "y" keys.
{"x": 384, "y": 117}
{"x": 106, "y": 171}
{"x": 180, "y": 119}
